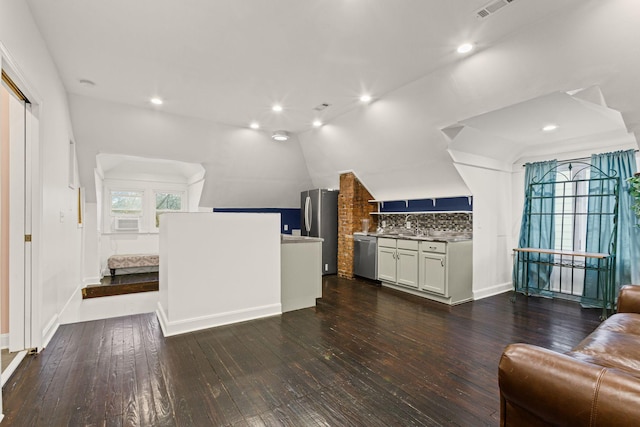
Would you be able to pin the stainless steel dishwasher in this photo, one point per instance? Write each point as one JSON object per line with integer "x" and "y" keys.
{"x": 365, "y": 256}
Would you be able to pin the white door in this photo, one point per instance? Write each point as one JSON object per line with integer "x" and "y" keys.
{"x": 16, "y": 223}
{"x": 23, "y": 133}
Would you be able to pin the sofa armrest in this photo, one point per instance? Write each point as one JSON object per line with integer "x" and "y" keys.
{"x": 629, "y": 299}
{"x": 539, "y": 386}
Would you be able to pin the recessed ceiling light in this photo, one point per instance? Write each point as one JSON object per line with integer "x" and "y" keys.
{"x": 465, "y": 47}
{"x": 365, "y": 98}
{"x": 280, "y": 135}
{"x": 317, "y": 123}
{"x": 254, "y": 125}
{"x": 277, "y": 108}
{"x": 156, "y": 101}
{"x": 550, "y": 128}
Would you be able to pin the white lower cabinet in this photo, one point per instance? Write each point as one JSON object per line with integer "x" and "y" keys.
{"x": 432, "y": 272}
{"x": 436, "y": 270}
{"x": 387, "y": 264}
{"x": 398, "y": 262}
{"x": 407, "y": 267}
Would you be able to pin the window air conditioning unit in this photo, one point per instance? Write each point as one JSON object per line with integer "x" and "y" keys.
{"x": 127, "y": 224}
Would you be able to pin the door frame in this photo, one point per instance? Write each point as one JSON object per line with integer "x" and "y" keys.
{"x": 29, "y": 307}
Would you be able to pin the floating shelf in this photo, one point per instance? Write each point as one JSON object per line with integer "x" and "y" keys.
{"x": 453, "y": 204}
{"x": 419, "y": 212}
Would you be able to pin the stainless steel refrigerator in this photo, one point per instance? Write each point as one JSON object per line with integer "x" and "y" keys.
{"x": 319, "y": 218}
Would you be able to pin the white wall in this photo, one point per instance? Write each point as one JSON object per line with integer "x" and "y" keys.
{"x": 244, "y": 167}
{"x": 492, "y": 218}
{"x": 210, "y": 264}
{"x": 91, "y": 272}
{"x": 60, "y": 266}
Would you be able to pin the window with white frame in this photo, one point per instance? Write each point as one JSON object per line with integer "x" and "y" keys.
{"x": 570, "y": 225}
{"x": 570, "y": 208}
{"x": 127, "y": 203}
{"x": 167, "y": 202}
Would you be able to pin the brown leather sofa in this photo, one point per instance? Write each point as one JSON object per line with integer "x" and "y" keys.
{"x": 595, "y": 384}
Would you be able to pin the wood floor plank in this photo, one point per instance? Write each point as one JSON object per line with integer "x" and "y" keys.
{"x": 89, "y": 400}
{"x": 131, "y": 411}
{"x": 207, "y": 386}
{"x": 115, "y": 386}
{"x": 154, "y": 345}
{"x": 178, "y": 371}
{"x": 364, "y": 356}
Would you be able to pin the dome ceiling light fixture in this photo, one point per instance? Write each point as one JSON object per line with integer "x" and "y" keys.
{"x": 280, "y": 135}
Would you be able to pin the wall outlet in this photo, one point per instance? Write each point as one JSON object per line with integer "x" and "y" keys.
{"x": 286, "y": 227}
{"x": 326, "y": 267}
{"x": 384, "y": 223}
{"x": 408, "y": 224}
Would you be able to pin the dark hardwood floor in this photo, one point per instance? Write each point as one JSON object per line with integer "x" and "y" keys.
{"x": 364, "y": 356}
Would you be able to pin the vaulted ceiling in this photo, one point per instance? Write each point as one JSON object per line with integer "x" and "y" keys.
{"x": 221, "y": 64}
{"x": 229, "y": 61}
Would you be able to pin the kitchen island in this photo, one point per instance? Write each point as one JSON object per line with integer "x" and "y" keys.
{"x": 221, "y": 268}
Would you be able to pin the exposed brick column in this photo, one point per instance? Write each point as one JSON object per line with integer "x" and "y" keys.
{"x": 353, "y": 207}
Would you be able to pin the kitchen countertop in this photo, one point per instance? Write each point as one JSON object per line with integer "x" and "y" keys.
{"x": 288, "y": 238}
{"x": 444, "y": 238}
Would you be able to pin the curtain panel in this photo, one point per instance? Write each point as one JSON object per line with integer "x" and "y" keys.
{"x": 626, "y": 245}
{"x": 537, "y": 226}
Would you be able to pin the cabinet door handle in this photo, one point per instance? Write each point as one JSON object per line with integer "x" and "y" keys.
{"x": 442, "y": 262}
{"x": 433, "y": 248}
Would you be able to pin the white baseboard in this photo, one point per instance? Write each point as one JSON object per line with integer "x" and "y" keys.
{"x": 493, "y": 290}
{"x": 50, "y": 330}
{"x": 4, "y": 341}
{"x": 204, "y": 322}
{"x": 9, "y": 370}
{"x": 91, "y": 281}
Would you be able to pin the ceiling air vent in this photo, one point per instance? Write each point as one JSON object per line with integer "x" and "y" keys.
{"x": 492, "y": 8}
{"x": 321, "y": 106}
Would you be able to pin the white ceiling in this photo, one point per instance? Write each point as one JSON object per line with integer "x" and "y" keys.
{"x": 522, "y": 123}
{"x": 516, "y": 131}
{"x": 229, "y": 60}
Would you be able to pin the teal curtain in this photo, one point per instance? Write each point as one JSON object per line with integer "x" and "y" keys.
{"x": 600, "y": 227}
{"x": 536, "y": 230}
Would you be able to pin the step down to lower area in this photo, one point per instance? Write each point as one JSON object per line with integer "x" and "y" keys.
{"x": 122, "y": 285}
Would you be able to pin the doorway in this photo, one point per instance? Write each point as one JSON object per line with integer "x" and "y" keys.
{"x": 16, "y": 331}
